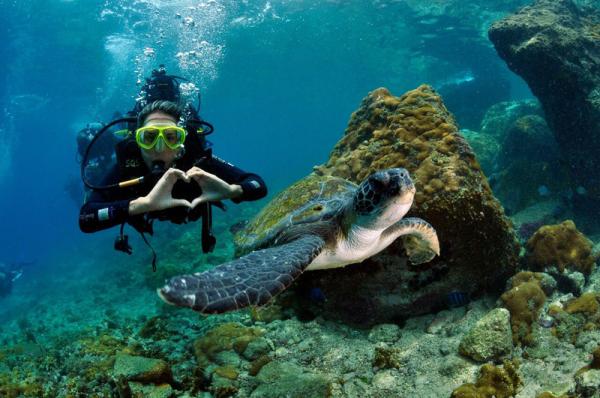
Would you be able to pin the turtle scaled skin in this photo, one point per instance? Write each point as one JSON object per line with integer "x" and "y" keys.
{"x": 312, "y": 198}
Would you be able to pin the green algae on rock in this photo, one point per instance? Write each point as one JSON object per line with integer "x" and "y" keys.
{"x": 226, "y": 337}
{"x": 141, "y": 369}
{"x": 139, "y": 390}
{"x": 490, "y": 338}
{"x": 285, "y": 379}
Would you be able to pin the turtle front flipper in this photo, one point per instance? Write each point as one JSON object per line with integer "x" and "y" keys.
{"x": 253, "y": 279}
{"x": 420, "y": 239}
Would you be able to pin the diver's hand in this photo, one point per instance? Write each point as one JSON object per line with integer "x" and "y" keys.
{"x": 160, "y": 197}
{"x": 213, "y": 188}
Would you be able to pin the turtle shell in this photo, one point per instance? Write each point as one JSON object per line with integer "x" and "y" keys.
{"x": 314, "y": 198}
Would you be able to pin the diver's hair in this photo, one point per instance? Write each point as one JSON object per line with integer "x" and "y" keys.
{"x": 168, "y": 107}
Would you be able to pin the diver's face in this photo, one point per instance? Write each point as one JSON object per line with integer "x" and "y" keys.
{"x": 160, "y": 151}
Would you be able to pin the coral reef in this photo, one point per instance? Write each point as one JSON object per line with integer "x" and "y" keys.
{"x": 416, "y": 131}
{"x": 576, "y": 316}
{"x": 561, "y": 246}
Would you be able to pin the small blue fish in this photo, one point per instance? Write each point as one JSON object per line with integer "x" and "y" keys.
{"x": 457, "y": 299}
{"x": 316, "y": 294}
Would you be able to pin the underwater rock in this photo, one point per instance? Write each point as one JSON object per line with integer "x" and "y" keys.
{"x": 525, "y": 183}
{"x": 386, "y": 333}
{"x": 231, "y": 337}
{"x": 528, "y": 165}
{"x": 387, "y": 383}
{"x": 578, "y": 314}
{"x": 529, "y": 139}
{"x": 141, "y": 369}
{"x": 561, "y": 246}
{"x": 285, "y": 379}
{"x": 257, "y": 348}
{"x": 587, "y": 384}
{"x": 485, "y": 146}
{"x": 500, "y": 117}
{"x": 490, "y": 338}
{"x": 415, "y": 131}
{"x": 569, "y": 281}
{"x": 554, "y": 46}
{"x": 139, "y": 390}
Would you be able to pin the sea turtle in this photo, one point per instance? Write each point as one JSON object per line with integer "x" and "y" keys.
{"x": 341, "y": 224}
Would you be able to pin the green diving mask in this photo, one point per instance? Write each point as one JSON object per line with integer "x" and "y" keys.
{"x": 147, "y": 137}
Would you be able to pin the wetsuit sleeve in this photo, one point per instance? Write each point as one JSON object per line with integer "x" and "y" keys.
{"x": 103, "y": 210}
{"x": 253, "y": 187}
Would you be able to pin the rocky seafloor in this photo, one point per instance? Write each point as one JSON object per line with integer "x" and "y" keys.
{"x": 95, "y": 328}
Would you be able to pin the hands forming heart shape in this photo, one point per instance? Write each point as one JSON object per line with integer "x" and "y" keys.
{"x": 213, "y": 189}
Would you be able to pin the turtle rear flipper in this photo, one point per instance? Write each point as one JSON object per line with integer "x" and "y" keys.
{"x": 253, "y": 279}
{"x": 420, "y": 239}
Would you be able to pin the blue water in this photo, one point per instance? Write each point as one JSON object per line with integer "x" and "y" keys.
{"x": 278, "y": 79}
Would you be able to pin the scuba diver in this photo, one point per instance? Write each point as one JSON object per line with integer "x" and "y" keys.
{"x": 103, "y": 156}
{"x": 9, "y": 273}
{"x": 164, "y": 170}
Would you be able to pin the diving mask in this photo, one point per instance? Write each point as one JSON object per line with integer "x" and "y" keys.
{"x": 172, "y": 136}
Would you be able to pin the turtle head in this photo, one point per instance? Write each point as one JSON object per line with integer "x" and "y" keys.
{"x": 383, "y": 198}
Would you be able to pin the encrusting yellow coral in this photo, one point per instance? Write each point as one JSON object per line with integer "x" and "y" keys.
{"x": 562, "y": 246}
{"x": 493, "y": 382}
{"x": 225, "y": 337}
{"x": 524, "y": 301}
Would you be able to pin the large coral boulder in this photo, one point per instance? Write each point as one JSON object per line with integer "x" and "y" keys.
{"x": 478, "y": 246}
{"x": 554, "y": 45}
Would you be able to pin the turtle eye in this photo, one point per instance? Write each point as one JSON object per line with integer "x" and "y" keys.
{"x": 378, "y": 181}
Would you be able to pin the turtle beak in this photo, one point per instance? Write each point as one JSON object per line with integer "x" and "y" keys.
{"x": 161, "y": 293}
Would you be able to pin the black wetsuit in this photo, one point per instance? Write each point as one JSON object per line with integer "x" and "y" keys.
{"x": 107, "y": 208}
